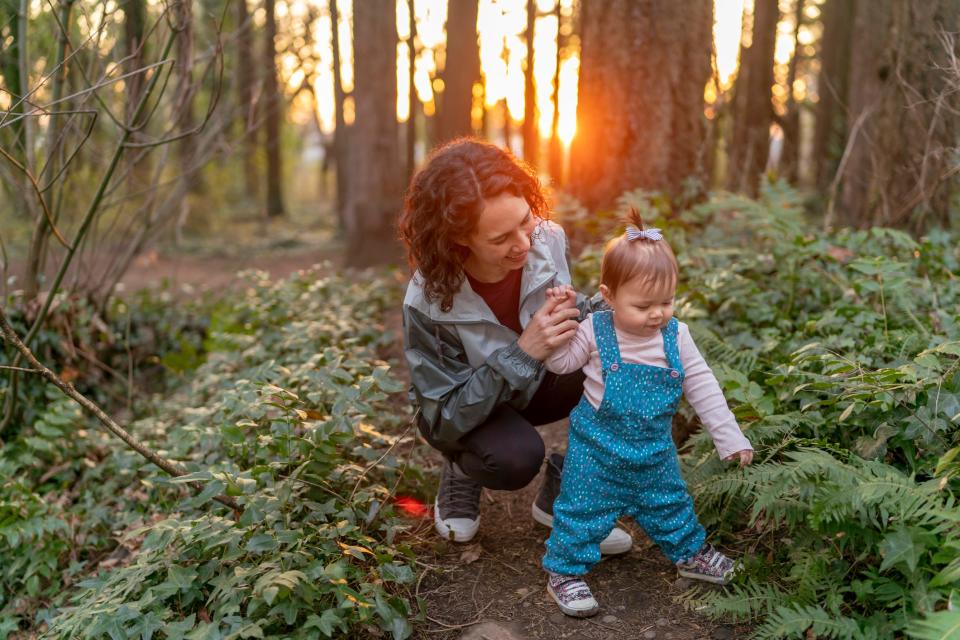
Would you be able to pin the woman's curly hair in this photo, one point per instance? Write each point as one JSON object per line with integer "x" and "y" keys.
{"x": 444, "y": 202}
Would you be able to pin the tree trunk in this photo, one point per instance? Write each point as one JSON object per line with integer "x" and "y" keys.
{"x": 340, "y": 149}
{"x": 460, "y": 71}
{"x": 36, "y": 260}
{"x": 901, "y": 164}
{"x": 832, "y": 90}
{"x": 640, "y": 121}
{"x": 10, "y": 68}
{"x": 556, "y": 147}
{"x": 134, "y": 27}
{"x": 790, "y": 157}
{"x": 753, "y": 111}
{"x": 374, "y": 191}
{"x": 414, "y": 104}
{"x": 531, "y": 133}
{"x": 274, "y": 113}
{"x": 246, "y": 109}
{"x": 185, "y": 95}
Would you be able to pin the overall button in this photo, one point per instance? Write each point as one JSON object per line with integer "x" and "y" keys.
{"x": 614, "y": 367}
{"x": 674, "y": 373}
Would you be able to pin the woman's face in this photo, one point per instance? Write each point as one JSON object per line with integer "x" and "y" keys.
{"x": 501, "y": 241}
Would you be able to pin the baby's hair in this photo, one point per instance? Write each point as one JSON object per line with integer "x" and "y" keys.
{"x": 651, "y": 260}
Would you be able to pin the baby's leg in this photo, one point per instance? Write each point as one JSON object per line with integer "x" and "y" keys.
{"x": 583, "y": 515}
{"x": 664, "y": 509}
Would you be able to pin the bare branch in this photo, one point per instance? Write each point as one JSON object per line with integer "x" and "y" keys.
{"x": 172, "y": 468}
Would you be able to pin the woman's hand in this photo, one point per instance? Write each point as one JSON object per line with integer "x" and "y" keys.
{"x": 553, "y": 325}
{"x": 745, "y": 457}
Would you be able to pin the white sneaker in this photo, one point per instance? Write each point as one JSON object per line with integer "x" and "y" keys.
{"x": 456, "y": 511}
{"x": 572, "y": 595}
{"x": 618, "y": 541}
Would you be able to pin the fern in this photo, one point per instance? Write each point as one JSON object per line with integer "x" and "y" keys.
{"x": 716, "y": 350}
{"x": 794, "y": 622}
{"x": 942, "y": 625}
{"x": 738, "y": 603}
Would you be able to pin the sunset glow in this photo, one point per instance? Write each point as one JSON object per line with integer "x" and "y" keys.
{"x": 501, "y": 26}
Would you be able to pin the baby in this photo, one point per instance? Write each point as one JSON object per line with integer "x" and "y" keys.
{"x": 621, "y": 460}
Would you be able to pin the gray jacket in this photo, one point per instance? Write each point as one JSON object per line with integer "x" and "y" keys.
{"x": 463, "y": 362}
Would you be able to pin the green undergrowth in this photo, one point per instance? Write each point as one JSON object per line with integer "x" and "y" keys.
{"x": 283, "y": 405}
{"x": 840, "y": 355}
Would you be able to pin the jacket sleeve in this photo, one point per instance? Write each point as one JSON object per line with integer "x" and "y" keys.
{"x": 455, "y": 398}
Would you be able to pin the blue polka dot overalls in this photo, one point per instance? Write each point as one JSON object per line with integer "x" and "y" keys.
{"x": 621, "y": 460}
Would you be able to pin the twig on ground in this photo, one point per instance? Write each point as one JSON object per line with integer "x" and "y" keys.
{"x": 447, "y": 626}
{"x": 68, "y": 389}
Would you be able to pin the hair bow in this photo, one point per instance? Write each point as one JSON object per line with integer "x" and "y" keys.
{"x": 647, "y": 234}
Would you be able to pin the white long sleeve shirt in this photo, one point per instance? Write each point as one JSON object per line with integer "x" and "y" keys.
{"x": 700, "y": 386}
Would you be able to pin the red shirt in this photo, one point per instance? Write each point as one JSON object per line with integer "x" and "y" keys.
{"x": 502, "y": 297}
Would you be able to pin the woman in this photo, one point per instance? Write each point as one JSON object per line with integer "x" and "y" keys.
{"x": 477, "y": 328}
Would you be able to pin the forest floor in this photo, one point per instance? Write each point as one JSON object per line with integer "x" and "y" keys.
{"x": 492, "y": 588}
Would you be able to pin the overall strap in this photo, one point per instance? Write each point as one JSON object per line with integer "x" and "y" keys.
{"x": 671, "y": 344}
{"x": 606, "y": 338}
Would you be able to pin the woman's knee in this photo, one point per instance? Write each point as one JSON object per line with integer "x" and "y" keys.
{"x": 515, "y": 465}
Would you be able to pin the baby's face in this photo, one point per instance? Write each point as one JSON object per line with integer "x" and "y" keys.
{"x": 640, "y": 309}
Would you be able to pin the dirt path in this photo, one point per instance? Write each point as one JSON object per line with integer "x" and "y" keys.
{"x": 494, "y": 588}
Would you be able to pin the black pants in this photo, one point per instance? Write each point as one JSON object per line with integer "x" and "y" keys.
{"x": 506, "y": 452}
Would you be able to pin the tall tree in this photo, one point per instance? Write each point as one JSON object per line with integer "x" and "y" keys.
{"x": 246, "y": 79}
{"x": 753, "y": 107}
{"x": 412, "y": 101}
{"x": 461, "y": 70}
{"x": 185, "y": 97}
{"x": 340, "y": 148}
{"x": 10, "y": 68}
{"x": 273, "y": 114}
{"x": 790, "y": 158}
{"x": 374, "y": 189}
{"x": 531, "y": 133}
{"x": 902, "y": 166}
{"x": 556, "y": 148}
{"x": 640, "y": 119}
{"x": 833, "y": 84}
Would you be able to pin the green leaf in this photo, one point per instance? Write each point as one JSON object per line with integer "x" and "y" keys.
{"x": 182, "y": 577}
{"x": 326, "y": 622}
{"x": 942, "y": 625}
{"x": 261, "y": 542}
{"x": 899, "y": 547}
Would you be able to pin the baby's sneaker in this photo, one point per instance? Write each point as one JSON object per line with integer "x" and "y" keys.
{"x": 572, "y": 595}
{"x": 709, "y": 565}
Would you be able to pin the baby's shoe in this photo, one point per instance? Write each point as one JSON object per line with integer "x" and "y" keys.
{"x": 709, "y": 565}
{"x": 572, "y": 595}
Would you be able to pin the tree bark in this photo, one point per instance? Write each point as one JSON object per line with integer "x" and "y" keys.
{"x": 414, "y": 103}
{"x": 901, "y": 166}
{"x": 184, "y": 97}
{"x": 753, "y": 111}
{"x": 10, "y": 68}
{"x": 274, "y": 113}
{"x": 790, "y": 157}
{"x": 640, "y": 121}
{"x": 246, "y": 109}
{"x": 531, "y": 132}
{"x": 38, "y": 245}
{"x": 374, "y": 189}
{"x": 340, "y": 149}
{"x": 461, "y": 70}
{"x": 556, "y": 147}
{"x": 833, "y": 85}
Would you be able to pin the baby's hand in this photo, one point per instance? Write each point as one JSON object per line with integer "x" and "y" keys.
{"x": 564, "y": 294}
{"x": 745, "y": 456}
